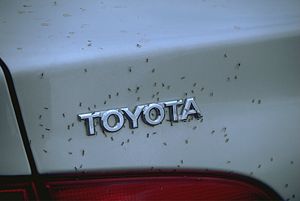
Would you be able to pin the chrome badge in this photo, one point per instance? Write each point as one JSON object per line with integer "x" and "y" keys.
{"x": 152, "y": 114}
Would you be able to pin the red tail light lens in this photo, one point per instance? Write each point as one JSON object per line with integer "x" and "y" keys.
{"x": 17, "y": 191}
{"x": 157, "y": 188}
{"x": 16, "y": 194}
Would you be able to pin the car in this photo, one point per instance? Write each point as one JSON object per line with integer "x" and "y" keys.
{"x": 150, "y": 100}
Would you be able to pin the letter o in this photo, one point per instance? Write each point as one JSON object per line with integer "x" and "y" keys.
{"x": 119, "y": 120}
{"x": 159, "y": 111}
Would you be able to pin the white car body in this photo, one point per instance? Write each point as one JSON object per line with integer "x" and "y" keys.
{"x": 240, "y": 60}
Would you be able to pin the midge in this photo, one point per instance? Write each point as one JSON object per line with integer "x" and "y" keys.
{"x": 152, "y": 114}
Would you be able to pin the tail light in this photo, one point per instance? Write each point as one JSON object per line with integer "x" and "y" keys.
{"x": 17, "y": 191}
{"x": 159, "y": 187}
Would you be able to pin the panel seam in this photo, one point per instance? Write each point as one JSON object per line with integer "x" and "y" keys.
{"x": 36, "y": 178}
{"x": 19, "y": 117}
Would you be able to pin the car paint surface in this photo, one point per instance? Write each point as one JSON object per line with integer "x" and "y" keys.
{"x": 239, "y": 59}
{"x": 13, "y": 159}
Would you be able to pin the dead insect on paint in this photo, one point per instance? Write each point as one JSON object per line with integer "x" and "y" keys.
{"x": 137, "y": 89}
{"x": 27, "y": 6}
